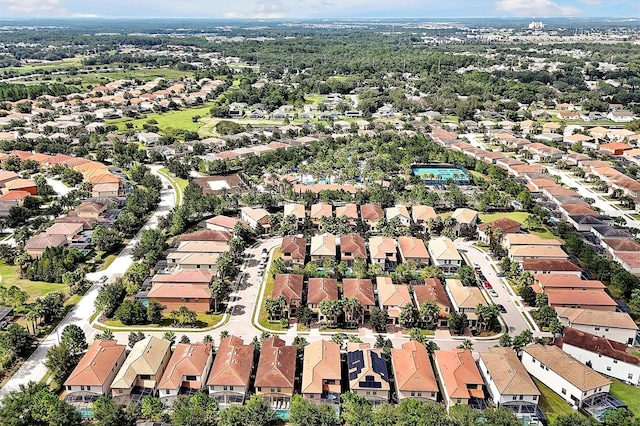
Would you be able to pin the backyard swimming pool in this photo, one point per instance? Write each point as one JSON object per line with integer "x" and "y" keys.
{"x": 439, "y": 173}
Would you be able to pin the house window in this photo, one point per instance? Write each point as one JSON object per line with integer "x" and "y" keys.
{"x": 368, "y": 392}
{"x": 68, "y": 387}
{"x": 606, "y": 329}
{"x": 279, "y": 390}
{"x": 81, "y": 388}
{"x": 513, "y": 397}
{"x": 167, "y": 391}
{"x": 119, "y": 390}
{"x": 433, "y": 394}
{"x": 191, "y": 378}
{"x": 413, "y": 394}
{"x": 521, "y": 397}
{"x": 225, "y": 387}
{"x": 272, "y": 390}
{"x": 630, "y": 376}
{"x": 608, "y": 368}
{"x": 375, "y": 392}
{"x": 419, "y": 393}
{"x": 88, "y": 388}
{"x": 145, "y": 377}
{"x": 564, "y": 391}
{"x": 596, "y": 328}
{"x": 535, "y": 397}
{"x": 259, "y": 388}
{"x": 458, "y": 400}
{"x": 615, "y": 361}
{"x": 230, "y": 388}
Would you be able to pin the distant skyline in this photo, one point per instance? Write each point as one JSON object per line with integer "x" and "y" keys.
{"x": 274, "y": 9}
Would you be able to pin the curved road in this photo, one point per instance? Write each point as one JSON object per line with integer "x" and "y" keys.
{"x": 33, "y": 368}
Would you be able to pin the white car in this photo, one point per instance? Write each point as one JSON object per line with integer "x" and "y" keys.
{"x": 103, "y": 279}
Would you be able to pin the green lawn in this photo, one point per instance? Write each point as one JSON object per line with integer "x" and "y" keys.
{"x": 314, "y": 99}
{"x": 35, "y": 289}
{"x": 630, "y": 395}
{"x": 202, "y": 321}
{"x": 107, "y": 261}
{"x": 263, "y": 317}
{"x": 174, "y": 119}
{"x": 551, "y": 404}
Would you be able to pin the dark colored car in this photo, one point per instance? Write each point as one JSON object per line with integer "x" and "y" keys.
{"x": 502, "y": 309}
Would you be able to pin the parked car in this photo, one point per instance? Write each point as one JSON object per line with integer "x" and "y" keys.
{"x": 500, "y": 274}
{"x": 493, "y": 293}
{"x": 487, "y": 285}
{"x": 502, "y": 308}
{"x": 103, "y": 279}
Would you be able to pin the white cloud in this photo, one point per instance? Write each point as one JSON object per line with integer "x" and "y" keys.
{"x": 33, "y": 7}
{"x": 592, "y": 2}
{"x": 535, "y": 8}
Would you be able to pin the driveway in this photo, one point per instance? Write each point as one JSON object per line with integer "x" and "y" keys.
{"x": 514, "y": 316}
{"x": 33, "y": 369}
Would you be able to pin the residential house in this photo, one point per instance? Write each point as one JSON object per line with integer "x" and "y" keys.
{"x": 290, "y": 287}
{"x": 228, "y": 381}
{"x": 368, "y": 374}
{"x": 617, "y": 326}
{"x": 193, "y": 260}
{"x": 207, "y": 235}
{"x": 508, "y": 383}
{"x": 96, "y": 370}
{"x": 196, "y": 246}
{"x": 361, "y": 289}
{"x": 460, "y": 380}
{"x": 464, "y": 299}
{"x": 411, "y": 248}
{"x": 350, "y": 211}
{"x": 371, "y": 214}
{"x": 422, "y": 214}
{"x": 297, "y": 210}
{"x": 67, "y": 230}
{"x": 294, "y": 251}
{"x": 221, "y": 223}
{"x": 352, "y": 246}
{"x": 187, "y": 370}
{"x": 36, "y": 245}
{"x": 276, "y": 373}
{"x": 383, "y": 252}
{"x": 414, "y": 376}
{"x": 444, "y": 255}
{"x": 90, "y": 209}
{"x": 254, "y": 217}
{"x": 487, "y": 230}
{"x": 143, "y": 367}
{"x": 392, "y": 297}
{"x": 528, "y": 240}
{"x": 603, "y": 355}
{"x": 573, "y": 381}
{"x": 321, "y": 372}
{"x": 566, "y": 282}
{"x": 597, "y": 300}
{"x": 7, "y": 176}
{"x": 464, "y": 217}
{"x": 433, "y": 291}
{"x": 520, "y": 253}
{"x": 630, "y": 261}
{"x": 318, "y": 211}
{"x": 26, "y": 185}
{"x": 400, "y": 212}
{"x": 319, "y": 289}
{"x": 188, "y": 288}
{"x": 323, "y": 248}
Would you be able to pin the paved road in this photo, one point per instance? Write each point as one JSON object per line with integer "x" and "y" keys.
{"x": 514, "y": 316}
{"x": 586, "y": 192}
{"x": 34, "y": 369}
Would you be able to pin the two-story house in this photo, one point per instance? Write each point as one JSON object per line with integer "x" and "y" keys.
{"x": 290, "y": 287}
{"x": 421, "y": 215}
{"x": 411, "y": 248}
{"x": 508, "y": 383}
{"x": 254, "y": 217}
{"x": 368, "y": 374}
{"x": 276, "y": 372}
{"x": 460, "y": 380}
{"x": 298, "y": 211}
{"x": 352, "y": 246}
{"x": 318, "y": 211}
{"x": 433, "y": 291}
{"x": 563, "y": 374}
{"x": 323, "y": 248}
{"x": 319, "y": 289}
{"x": 350, "y": 211}
{"x": 228, "y": 381}
{"x": 96, "y": 370}
{"x": 392, "y": 297}
{"x": 361, "y": 289}
{"x": 465, "y": 299}
{"x": 321, "y": 372}
{"x": 294, "y": 251}
{"x": 414, "y": 376}
{"x": 617, "y": 326}
{"x": 371, "y": 214}
{"x": 444, "y": 255}
{"x": 187, "y": 370}
{"x": 143, "y": 368}
{"x": 400, "y": 212}
{"x": 383, "y": 252}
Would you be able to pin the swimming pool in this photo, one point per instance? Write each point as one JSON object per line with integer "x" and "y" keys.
{"x": 438, "y": 174}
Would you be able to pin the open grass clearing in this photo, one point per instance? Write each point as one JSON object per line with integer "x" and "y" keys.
{"x": 518, "y": 217}
{"x": 628, "y": 394}
{"x": 34, "y": 289}
{"x": 180, "y": 119}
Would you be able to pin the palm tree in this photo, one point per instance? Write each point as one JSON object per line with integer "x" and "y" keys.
{"x": 331, "y": 309}
{"x": 429, "y": 312}
{"x": 174, "y": 315}
{"x": 466, "y": 344}
{"x": 353, "y": 308}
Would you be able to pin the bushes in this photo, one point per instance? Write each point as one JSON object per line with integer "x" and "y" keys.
{"x": 53, "y": 264}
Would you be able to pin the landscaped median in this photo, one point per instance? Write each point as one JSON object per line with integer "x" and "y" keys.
{"x": 178, "y": 184}
{"x": 266, "y": 288}
{"x": 204, "y": 322}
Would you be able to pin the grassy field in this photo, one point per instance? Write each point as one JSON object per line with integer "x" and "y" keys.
{"x": 49, "y": 66}
{"x": 181, "y": 119}
{"x": 35, "y": 289}
{"x": 107, "y": 261}
{"x": 551, "y": 404}
{"x": 630, "y": 395}
{"x": 263, "y": 317}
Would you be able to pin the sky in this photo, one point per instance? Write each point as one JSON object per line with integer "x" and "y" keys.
{"x": 276, "y": 9}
